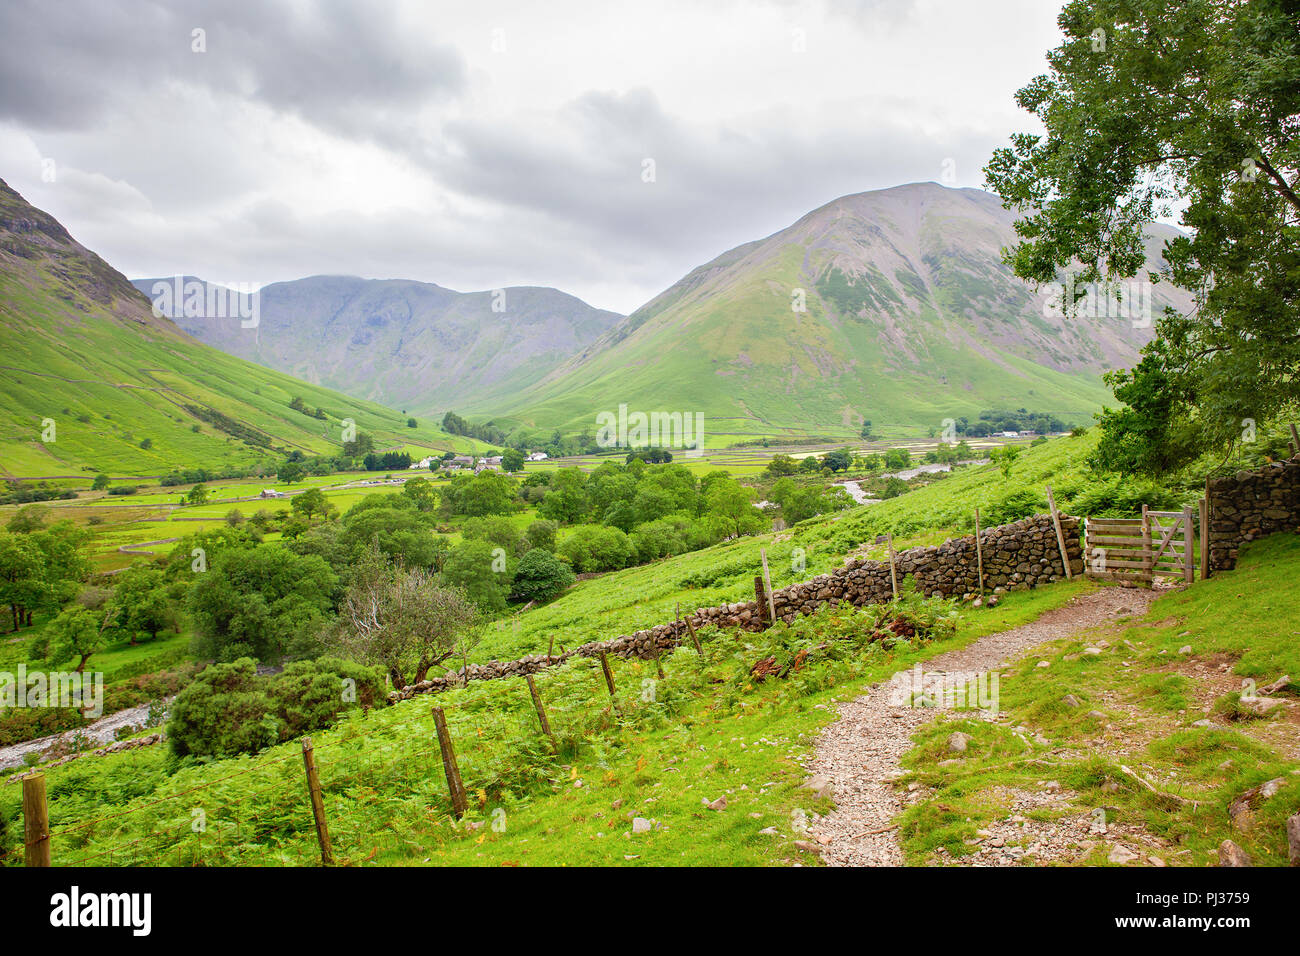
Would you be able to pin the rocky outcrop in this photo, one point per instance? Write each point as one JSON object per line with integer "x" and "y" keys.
{"x": 1251, "y": 505}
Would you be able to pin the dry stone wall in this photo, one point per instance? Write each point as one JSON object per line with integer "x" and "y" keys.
{"x": 1250, "y": 505}
{"x": 1017, "y": 556}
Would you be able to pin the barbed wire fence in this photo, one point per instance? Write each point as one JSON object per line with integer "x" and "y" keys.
{"x": 279, "y": 806}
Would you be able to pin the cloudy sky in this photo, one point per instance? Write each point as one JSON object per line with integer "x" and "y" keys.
{"x": 488, "y": 144}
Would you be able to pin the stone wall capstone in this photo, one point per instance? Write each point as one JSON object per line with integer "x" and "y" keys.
{"x": 1017, "y": 556}
{"x": 1250, "y": 505}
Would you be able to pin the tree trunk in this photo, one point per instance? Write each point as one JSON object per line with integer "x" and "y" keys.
{"x": 82, "y": 666}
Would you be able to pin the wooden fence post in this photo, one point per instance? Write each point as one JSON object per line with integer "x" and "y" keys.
{"x": 979, "y": 553}
{"x": 1147, "y": 563}
{"x": 1205, "y": 538}
{"x": 767, "y": 585}
{"x": 609, "y": 678}
{"x": 36, "y": 822}
{"x": 893, "y": 574}
{"x": 760, "y": 600}
{"x": 317, "y": 803}
{"x": 1189, "y": 556}
{"x": 659, "y": 666}
{"x": 690, "y": 628}
{"x": 459, "y": 802}
{"x": 1060, "y": 535}
{"x": 541, "y": 711}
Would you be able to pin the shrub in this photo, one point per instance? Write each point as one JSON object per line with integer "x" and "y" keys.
{"x": 230, "y": 710}
{"x": 540, "y": 576}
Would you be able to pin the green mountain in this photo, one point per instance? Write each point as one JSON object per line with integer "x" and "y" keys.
{"x": 910, "y": 317}
{"x": 412, "y": 345}
{"x": 91, "y": 379}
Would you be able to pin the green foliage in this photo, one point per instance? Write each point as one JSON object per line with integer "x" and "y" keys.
{"x": 596, "y": 548}
{"x": 1186, "y": 107}
{"x": 541, "y": 534}
{"x": 482, "y": 571}
{"x": 266, "y": 602}
{"x": 229, "y": 710}
{"x": 540, "y": 576}
{"x": 487, "y": 493}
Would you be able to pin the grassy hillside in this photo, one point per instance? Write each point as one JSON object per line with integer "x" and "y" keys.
{"x": 710, "y": 731}
{"x": 911, "y": 317}
{"x": 131, "y": 394}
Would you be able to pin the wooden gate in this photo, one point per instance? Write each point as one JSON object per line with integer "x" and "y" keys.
{"x": 1137, "y": 549}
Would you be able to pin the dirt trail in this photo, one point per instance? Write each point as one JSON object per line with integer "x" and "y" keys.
{"x": 860, "y": 753}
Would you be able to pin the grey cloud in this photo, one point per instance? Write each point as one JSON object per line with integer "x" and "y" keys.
{"x": 347, "y": 67}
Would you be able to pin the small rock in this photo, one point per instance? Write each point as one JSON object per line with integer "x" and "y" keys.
{"x": 1232, "y": 855}
{"x": 1091, "y": 651}
{"x": 1201, "y": 723}
{"x": 958, "y": 741}
{"x": 1121, "y": 855}
{"x": 807, "y": 847}
{"x": 821, "y": 785}
{"x": 1261, "y": 706}
{"x": 640, "y": 825}
{"x": 1242, "y": 810}
{"x": 1293, "y": 839}
{"x": 1185, "y": 649}
{"x": 1069, "y": 700}
{"x": 1277, "y": 685}
{"x": 719, "y": 804}
{"x": 1043, "y": 664}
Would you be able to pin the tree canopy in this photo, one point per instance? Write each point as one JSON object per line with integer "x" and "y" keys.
{"x": 1152, "y": 109}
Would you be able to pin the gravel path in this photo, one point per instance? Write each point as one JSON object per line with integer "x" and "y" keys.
{"x": 859, "y": 755}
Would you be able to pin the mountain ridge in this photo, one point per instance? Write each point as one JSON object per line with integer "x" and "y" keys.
{"x": 411, "y": 344}
{"x": 904, "y": 284}
{"x": 92, "y": 380}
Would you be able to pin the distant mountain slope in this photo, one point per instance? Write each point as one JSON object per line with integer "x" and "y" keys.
{"x": 412, "y": 345}
{"x": 911, "y": 317}
{"x": 130, "y": 393}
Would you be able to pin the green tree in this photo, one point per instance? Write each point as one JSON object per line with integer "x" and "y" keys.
{"x": 420, "y": 491}
{"x": 198, "y": 495}
{"x": 512, "y": 459}
{"x": 782, "y": 465}
{"x": 100, "y": 482}
{"x": 540, "y": 576}
{"x": 141, "y": 602}
{"x": 731, "y": 506}
{"x": 29, "y": 518}
{"x": 265, "y": 602}
{"x": 566, "y": 501}
{"x": 311, "y": 503}
{"x": 480, "y": 569}
{"x": 76, "y": 634}
{"x": 541, "y": 534}
{"x": 290, "y": 472}
{"x": 1151, "y": 107}
{"x": 401, "y": 619}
